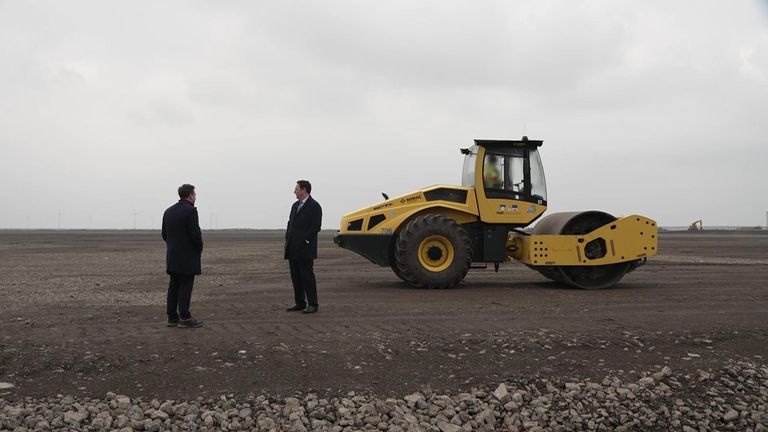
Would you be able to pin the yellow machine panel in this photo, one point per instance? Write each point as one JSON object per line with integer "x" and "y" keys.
{"x": 508, "y": 211}
{"x": 627, "y": 238}
{"x": 458, "y": 203}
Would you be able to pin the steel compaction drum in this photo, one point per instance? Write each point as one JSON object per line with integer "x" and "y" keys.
{"x": 585, "y": 277}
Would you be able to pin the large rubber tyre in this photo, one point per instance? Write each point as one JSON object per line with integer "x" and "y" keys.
{"x": 396, "y": 271}
{"x": 392, "y": 262}
{"x": 433, "y": 251}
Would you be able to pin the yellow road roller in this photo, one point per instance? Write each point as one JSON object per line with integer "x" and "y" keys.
{"x": 432, "y": 237}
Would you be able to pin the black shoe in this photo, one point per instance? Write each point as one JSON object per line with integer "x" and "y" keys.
{"x": 172, "y": 322}
{"x": 311, "y": 309}
{"x": 190, "y": 323}
{"x": 295, "y": 308}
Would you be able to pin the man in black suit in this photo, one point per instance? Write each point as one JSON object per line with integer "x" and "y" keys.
{"x": 301, "y": 247}
{"x": 184, "y": 241}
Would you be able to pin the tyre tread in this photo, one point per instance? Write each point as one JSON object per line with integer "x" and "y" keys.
{"x": 406, "y": 252}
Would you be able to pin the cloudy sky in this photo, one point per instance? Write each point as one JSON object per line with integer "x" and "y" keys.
{"x": 654, "y": 107}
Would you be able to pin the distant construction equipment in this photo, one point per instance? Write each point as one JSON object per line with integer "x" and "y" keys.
{"x": 695, "y": 226}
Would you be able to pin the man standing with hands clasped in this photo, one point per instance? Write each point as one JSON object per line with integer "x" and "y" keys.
{"x": 184, "y": 241}
{"x": 301, "y": 247}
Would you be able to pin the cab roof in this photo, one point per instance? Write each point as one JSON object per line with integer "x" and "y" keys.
{"x": 525, "y": 142}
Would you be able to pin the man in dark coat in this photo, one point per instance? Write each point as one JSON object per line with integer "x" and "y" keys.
{"x": 301, "y": 247}
{"x": 184, "y": 241}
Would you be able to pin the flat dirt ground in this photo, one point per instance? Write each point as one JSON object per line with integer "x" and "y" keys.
{"x": 82, "y": 313}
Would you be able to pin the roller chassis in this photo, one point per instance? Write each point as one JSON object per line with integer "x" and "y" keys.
{"x": 593, "y": 260}
{"x": 431, "y": 238}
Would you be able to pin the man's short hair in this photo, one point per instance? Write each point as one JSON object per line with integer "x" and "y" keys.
{"x": 304, "y": 184}
{"x": 186, "y": 190}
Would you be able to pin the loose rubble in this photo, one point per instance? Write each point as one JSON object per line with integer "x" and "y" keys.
{"x": 733, "y": 398}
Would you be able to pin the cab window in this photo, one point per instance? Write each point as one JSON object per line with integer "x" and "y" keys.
{"x": 493, "y": 172}
{"x": 514, "y": 173}
{"x": 468, "y": 171}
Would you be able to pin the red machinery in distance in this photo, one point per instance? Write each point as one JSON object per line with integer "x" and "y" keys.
{"x": 695, "y": 226}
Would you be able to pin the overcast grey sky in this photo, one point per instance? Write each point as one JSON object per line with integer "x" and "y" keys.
{"x": 650, "y": 107}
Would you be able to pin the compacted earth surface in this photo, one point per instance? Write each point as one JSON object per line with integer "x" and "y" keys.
{"x": 679, "y": 344}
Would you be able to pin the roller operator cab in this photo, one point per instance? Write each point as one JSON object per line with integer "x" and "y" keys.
{"x": 508, "y": 178}
{"x": 431, "y": 237}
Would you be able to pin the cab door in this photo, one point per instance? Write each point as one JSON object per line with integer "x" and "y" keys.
{"x": 504, "y": 188}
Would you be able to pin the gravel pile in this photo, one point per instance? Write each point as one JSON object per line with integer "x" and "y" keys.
{"x": 734, "y": 398}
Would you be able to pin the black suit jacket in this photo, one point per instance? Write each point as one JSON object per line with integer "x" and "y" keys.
{"x": 301, "y": 235}
{"x": 181, "y": 232}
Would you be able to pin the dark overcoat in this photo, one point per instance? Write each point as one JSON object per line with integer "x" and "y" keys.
{"x": 184, "y": 241}
{"x": 301, "y": 234}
